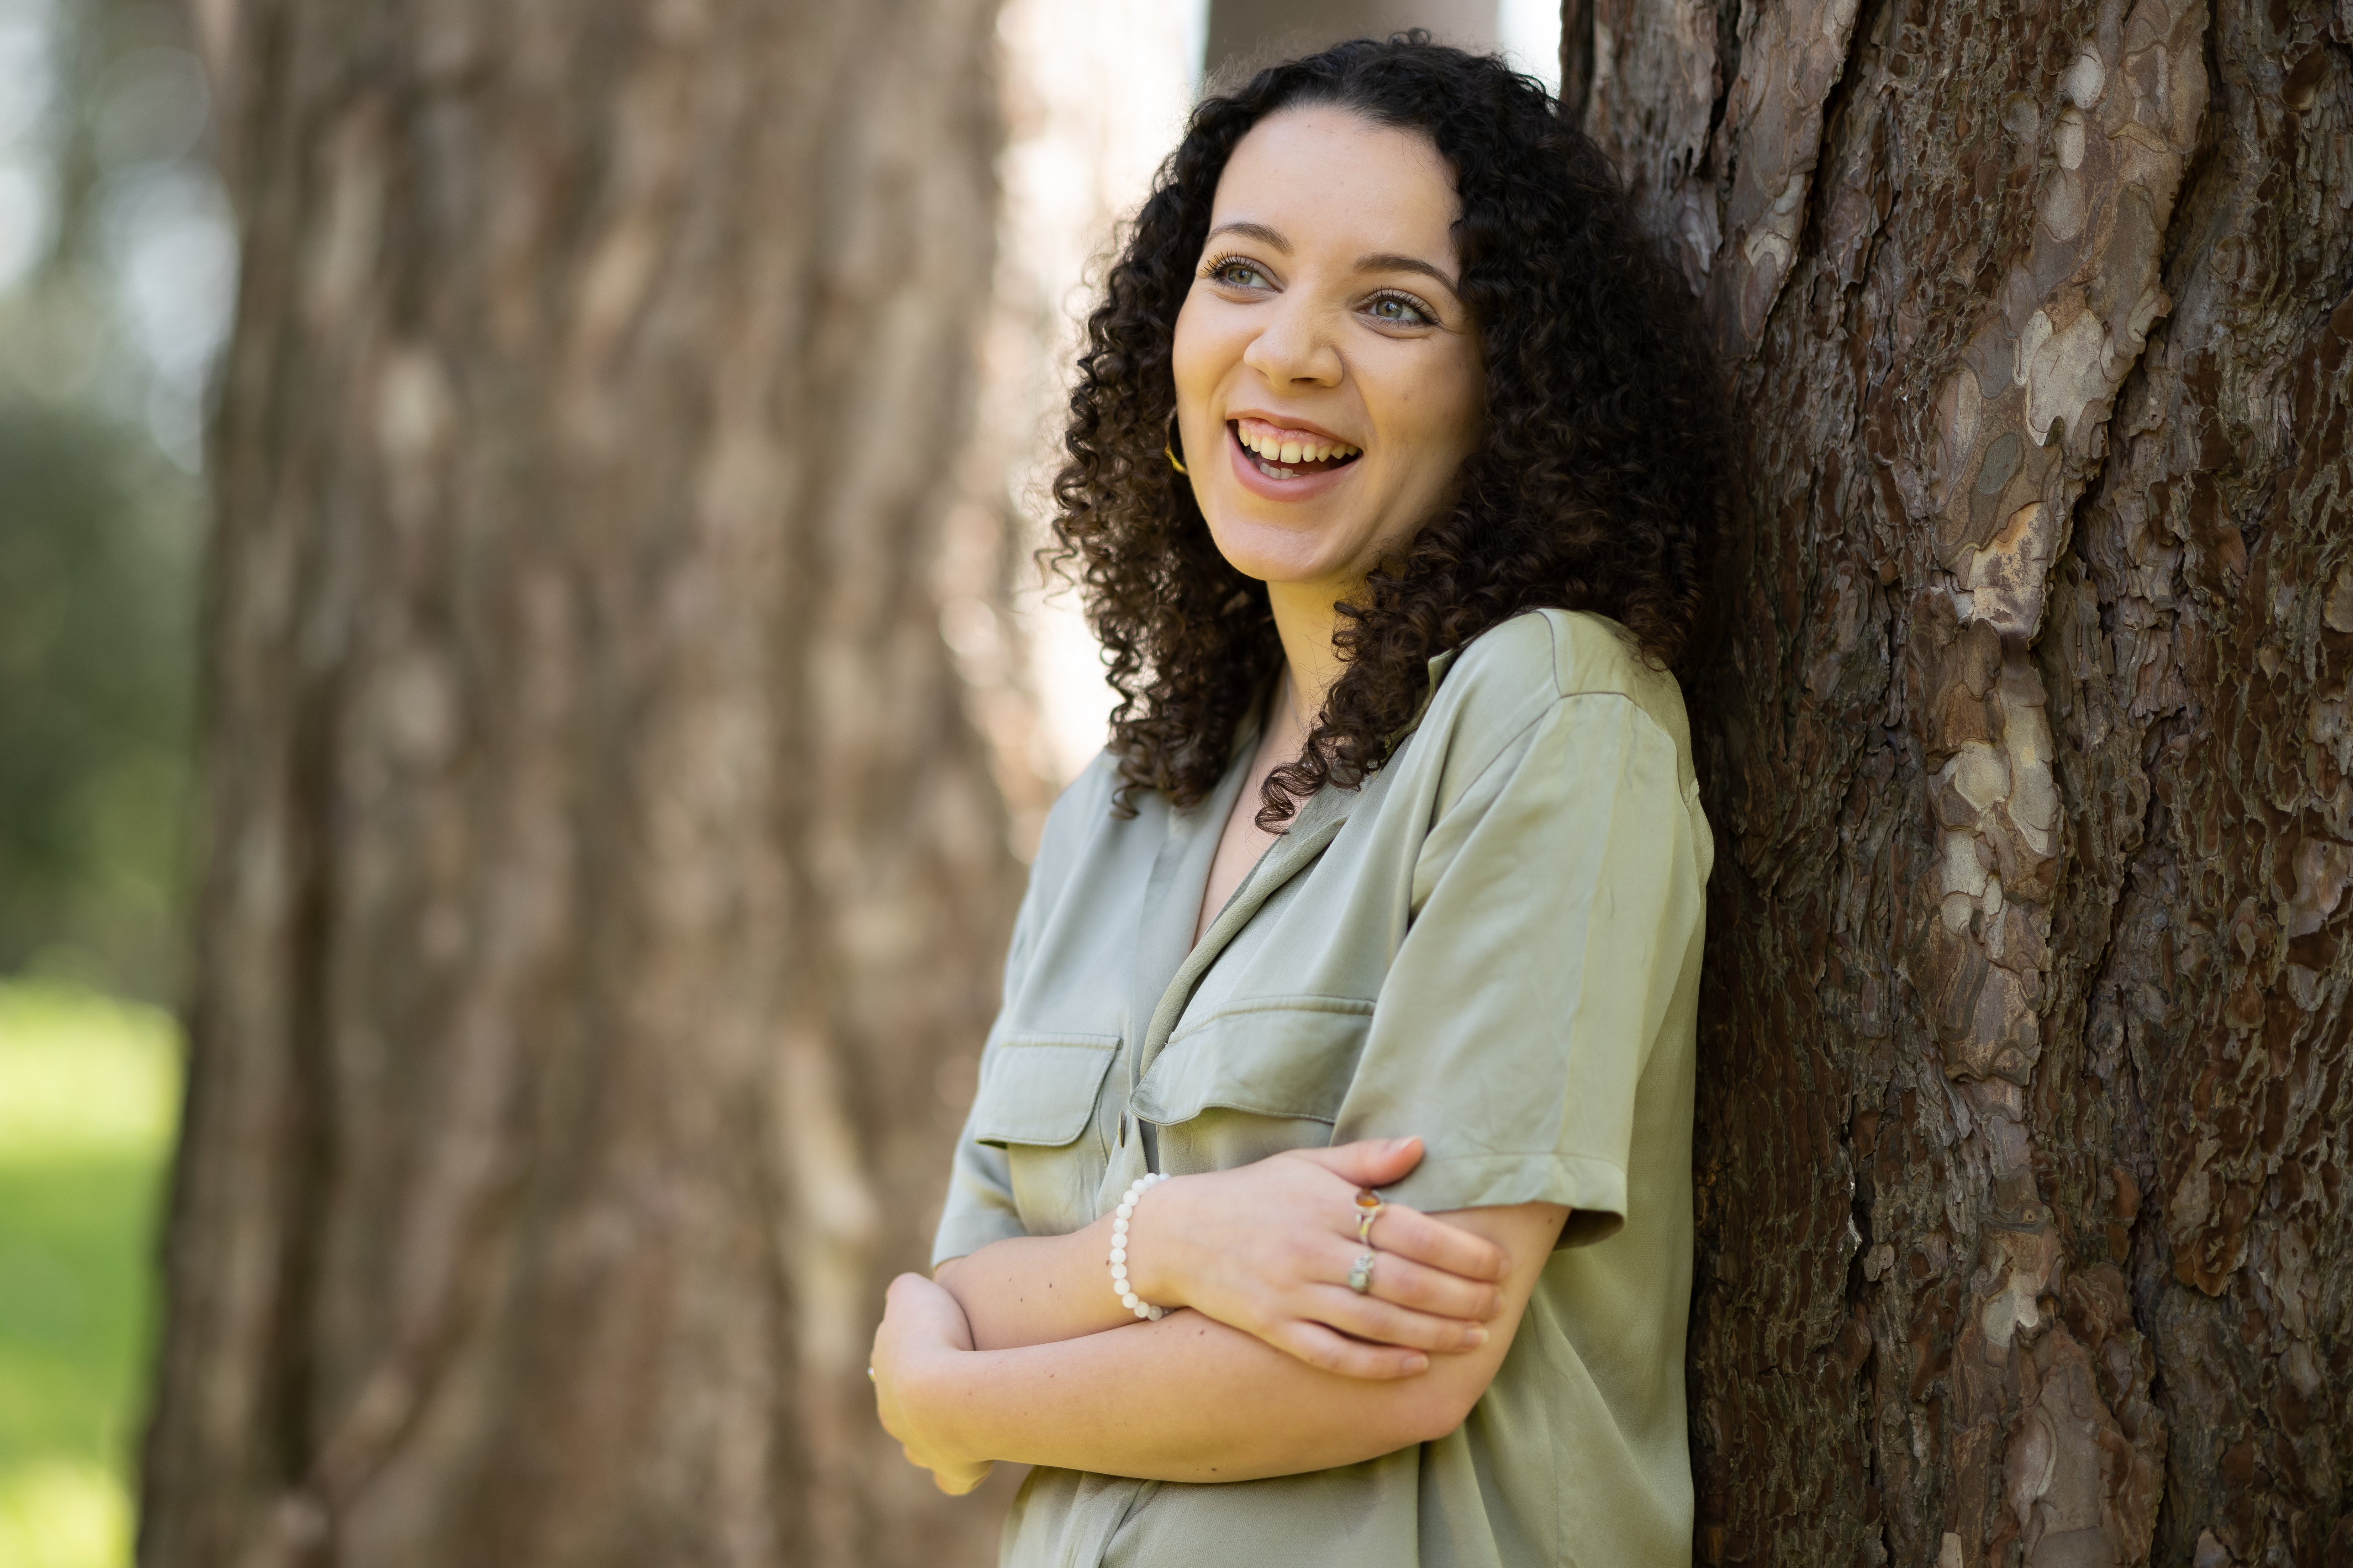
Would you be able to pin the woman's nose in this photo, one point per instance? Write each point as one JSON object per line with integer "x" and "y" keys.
{"x": 1295, "y": 346}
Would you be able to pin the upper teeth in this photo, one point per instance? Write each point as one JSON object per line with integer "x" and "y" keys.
{"x": 1279, "y": 446}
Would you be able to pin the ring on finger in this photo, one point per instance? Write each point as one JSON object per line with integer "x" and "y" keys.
{"x": 1369, "y": 1209}
{"x": 1360, "y": 1275}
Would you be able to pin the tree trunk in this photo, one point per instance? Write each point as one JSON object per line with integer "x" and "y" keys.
{"x": 605, "y": 886}
{"x": 1247, "y": 31}
{"x": 2023, "y": 1141}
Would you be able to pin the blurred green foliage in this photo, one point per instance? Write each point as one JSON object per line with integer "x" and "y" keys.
{"x": 103, "y": 357}
{"x": 88, "y": 1091}
{"x": 96, "y": 559}
{"x": 112, "y": 301}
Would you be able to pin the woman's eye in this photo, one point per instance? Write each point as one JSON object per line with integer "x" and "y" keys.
{"x": 1401, "y": 311}
{"x": 1239, "y": 275}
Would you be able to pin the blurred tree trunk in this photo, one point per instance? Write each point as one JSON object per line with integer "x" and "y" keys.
{"x": 2023, "y": 1130}
{"x": 1239, "y": 30}
{"x": 605, "y": 887}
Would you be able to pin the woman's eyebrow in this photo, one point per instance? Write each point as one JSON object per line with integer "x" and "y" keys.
{"x": 1257, "y": 231}
{"x": 1383, "y": 261}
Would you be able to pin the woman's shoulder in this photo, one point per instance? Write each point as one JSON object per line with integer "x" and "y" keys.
{"x": 1523, "y": 667}
{"x": 1082, "y": 812}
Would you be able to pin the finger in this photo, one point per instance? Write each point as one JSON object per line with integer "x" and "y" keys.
{"x": 1410, "y": 1282}
{"x": 1369, "y": 1162}
{"x": 1368, "y": 1316}
{"x": 1327, "y": 1350}
{"x": 1409, "y": 1233}
{"x": 1418, "y": 1288}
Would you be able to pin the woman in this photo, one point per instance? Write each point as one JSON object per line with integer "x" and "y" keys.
{"x": 1391, "y": 479}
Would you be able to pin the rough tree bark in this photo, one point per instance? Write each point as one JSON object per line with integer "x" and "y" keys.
{"x": 2023, "y": 1150}
{"x": 605, "y": 887}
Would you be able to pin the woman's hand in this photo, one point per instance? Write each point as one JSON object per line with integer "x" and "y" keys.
{"x": 1267, "y": 1247}
{"x": 920, "y": 1322}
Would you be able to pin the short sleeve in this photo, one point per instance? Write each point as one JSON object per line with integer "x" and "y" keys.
{"x": 980, "y": 1208}
{"x": 1559, "y": 897}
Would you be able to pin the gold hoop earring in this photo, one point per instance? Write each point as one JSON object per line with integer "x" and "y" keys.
{"x": 1169, "y": 450}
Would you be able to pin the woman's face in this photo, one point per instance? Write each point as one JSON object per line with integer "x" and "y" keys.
{"x": 1328, "y": 380}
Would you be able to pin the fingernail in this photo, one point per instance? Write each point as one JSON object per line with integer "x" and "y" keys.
{"x": 1417, "y": 1363}
{"x": 1475, "y": 1337}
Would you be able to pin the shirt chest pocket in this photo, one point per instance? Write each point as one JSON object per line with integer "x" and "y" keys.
{"x": 1254, "y": 1078}
{"x": 1037, "y": 1102}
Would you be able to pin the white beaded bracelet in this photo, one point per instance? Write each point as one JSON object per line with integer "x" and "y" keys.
{"x": 1121, "y": 1216}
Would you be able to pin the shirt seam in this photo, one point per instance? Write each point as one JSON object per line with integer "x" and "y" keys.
{"x": 1559, "y": 700}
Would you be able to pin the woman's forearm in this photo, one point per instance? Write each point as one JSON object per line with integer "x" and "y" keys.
{"x": 1253, "y": 1248}
{"x": 1191, "y": 1399}
{"x": 1036, "y": 1290}
{"x": 1183, "y": 1399}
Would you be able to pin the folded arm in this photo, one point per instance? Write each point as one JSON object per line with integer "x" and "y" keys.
{"x": 1184, "y": 1399}
{"x": 1265, "y": 1247}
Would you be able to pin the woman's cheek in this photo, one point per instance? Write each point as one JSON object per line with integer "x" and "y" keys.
{"x": 1196, "y": 353}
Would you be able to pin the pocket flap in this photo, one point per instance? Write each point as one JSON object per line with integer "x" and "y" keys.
{"x": 1282, "y": 1056}
{"x": 1041, "y": 1088}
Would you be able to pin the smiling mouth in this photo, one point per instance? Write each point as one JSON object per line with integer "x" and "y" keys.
{"x": 1289, "y": 454}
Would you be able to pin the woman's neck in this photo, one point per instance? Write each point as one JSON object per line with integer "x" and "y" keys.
{"x": 1306, "y": 621}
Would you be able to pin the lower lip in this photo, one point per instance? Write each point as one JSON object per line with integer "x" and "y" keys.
{"x": 1306, "y": 487}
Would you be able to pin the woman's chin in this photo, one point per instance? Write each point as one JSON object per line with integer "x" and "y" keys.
{"x": 1284, "y": 554}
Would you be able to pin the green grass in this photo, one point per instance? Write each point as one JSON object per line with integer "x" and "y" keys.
{"x": 89, "y": 1095}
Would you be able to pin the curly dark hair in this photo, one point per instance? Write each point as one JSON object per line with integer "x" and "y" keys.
{"x": 1597, "y": 485}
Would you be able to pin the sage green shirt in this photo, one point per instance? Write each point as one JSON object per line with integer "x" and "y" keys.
{"x": 1494, "y": 944}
